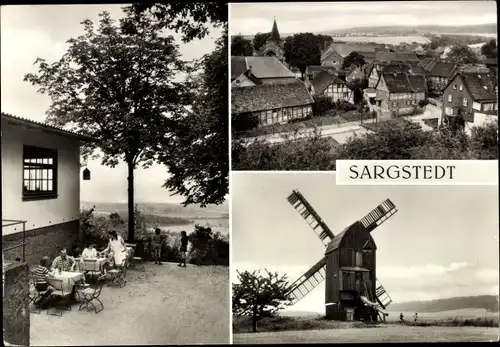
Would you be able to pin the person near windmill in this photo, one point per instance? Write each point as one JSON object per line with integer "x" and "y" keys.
{"x": 401, "y": 317}
{"x": 415, "y": 318}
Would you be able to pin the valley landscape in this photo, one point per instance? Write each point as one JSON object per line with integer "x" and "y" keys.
{"x": 169, "y": 216}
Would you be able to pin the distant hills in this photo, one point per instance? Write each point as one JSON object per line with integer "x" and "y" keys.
{"x": 162, "y": 209}
{"x": 487, "y": 302}
{"x": 490, "y": 28}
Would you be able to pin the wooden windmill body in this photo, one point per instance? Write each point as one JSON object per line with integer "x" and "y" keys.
{"x": 349, "y": 265}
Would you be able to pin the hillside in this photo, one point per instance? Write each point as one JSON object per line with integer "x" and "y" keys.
{"x": 487, "y": 302}
{"x": 163, "y": 209}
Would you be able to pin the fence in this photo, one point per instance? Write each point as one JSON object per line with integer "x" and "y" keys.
{"x": 10, "y": 222}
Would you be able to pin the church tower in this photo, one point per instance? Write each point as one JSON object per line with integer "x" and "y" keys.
{"x": 274, "y": 46}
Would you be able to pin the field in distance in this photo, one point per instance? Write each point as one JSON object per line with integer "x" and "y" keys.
{"x": 458, "y": 323}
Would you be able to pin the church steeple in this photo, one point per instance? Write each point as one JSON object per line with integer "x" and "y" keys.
{"x": 275, "y": 35}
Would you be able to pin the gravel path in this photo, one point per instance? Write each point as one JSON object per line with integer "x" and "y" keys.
{"x": 164, "y": 305}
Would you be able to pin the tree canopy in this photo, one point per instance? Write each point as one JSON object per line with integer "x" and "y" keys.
{"x": 259, "y": 40}
{"x": 490, "y": 49}
{"x": 301, "y": 50}
{"x": 259, "y": 295}
{"x": 115, "y": 87}
{"x": 462, "y": 54}
{"x": 190, "y": 18}
{"x": 353, "y": 58}
{"x": 241, "y": 46}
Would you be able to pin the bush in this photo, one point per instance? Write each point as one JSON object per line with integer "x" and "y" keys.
{"x": 322, "y": 104}
{"x": 208, "y": 248}
{"x": 423, "y": 103}
{"x": 243, "y": 122}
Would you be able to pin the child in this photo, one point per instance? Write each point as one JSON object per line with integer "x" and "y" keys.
{"x": 183, "y": 249}
{"x": 156, "y": 242}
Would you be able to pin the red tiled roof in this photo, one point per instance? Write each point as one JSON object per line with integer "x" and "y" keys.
{"x": 268, "y": 97}
{"x": 51, "y": 128}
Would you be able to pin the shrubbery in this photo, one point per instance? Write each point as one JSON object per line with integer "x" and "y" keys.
{"x": 399, "y": 139}
{"x": 244, "y": 121}
{"x": 205, "y": 248}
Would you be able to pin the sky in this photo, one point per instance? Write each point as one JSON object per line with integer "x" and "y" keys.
{"x": 442, "y": 242}
{"x": 32, "y": 31}
{"x": 251, "y": 18}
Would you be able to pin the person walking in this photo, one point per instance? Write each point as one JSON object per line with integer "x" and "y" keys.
{"x": 156, "y": 243}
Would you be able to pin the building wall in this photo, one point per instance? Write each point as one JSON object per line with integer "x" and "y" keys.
{"x": 332, "y": 59}
{"x": 373, "y": 78}
{"x": 458, "y": 92}
{"x": 45, "y": 241}
{"x": 38, "y": 213}
{"x": 339, "y": 92}
{"x": 332, "y": 277}
{"x": 16, "y": 316}
{"x": 283, "y": 115}
{"x": 278, "y": 80}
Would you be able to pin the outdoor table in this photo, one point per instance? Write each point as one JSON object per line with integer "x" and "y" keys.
{"x": 68, "y": 280}
{"x": 96, "y": 264}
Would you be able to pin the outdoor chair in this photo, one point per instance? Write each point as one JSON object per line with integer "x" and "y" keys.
{"x": 64, "y": 300}
{"x": 34, "y": 294}
{"x": 90, "y": 295}
{"x": 117, "y": 276}
{"x": 137, "y": 262}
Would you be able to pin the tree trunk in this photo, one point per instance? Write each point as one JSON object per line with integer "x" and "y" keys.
{"x": 131, "y": 219}
{"x": 254, "y": 323}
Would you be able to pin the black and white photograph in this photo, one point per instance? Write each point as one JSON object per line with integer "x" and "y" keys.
{"x": 316, "y": 262}
{"x": 315, "y": 82}
{"x": 115, "y": 174}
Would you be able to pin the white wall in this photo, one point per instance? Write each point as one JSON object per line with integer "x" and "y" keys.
{"x": 480, "y": 119}
{"x": 38, "y": 213}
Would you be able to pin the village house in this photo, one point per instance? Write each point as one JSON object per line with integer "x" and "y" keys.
{"x": 272, "y": 103}
{"x": 470, "y": 93}
{"x": 376, "y": 69}
{"x": 355, "y": 74}
{"x": 439, "y": 74}
{"x": 275, "y": 46}
{"x": 251, "y": 71}
{"x": 333, "y": 86}
{"x": 400, "y": 92}
{"x": 313, "y": 70}
{"x": 337, "y": 52}
{"x": 40, "y": 186}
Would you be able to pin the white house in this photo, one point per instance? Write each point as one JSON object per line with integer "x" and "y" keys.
{"x": 40, "y": 185}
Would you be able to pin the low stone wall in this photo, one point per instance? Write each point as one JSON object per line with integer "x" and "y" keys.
{"x": 16, "y": 316}
{"x": 42, "y": 241}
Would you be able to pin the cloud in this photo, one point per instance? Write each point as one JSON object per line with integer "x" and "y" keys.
{"x": 402, "y": 272}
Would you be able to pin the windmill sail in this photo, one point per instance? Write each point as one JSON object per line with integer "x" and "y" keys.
{"x": 308, "y": 281}
{"x": 300, "y": 204}
{"x": 382, "y": 296}
{"x": 378, "y": 215}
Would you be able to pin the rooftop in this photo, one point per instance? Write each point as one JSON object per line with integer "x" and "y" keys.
{"x": 50, "y": 128}
{"x": 323, "y": 80}
{"x": 268, "y": 97}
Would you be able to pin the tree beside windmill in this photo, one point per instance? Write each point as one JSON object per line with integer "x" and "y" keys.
{"x": 348, "y": 266}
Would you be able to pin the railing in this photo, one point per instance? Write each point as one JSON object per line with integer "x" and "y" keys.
{"x": 11, "y": 222}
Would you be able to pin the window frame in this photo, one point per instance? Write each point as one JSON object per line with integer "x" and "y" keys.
{"x": 465, "y": 102}
{"x": 460, "y": 88}
{"x": 455, "y": 87}
{"x": 450, "y": 98}
{"x": 36, "y": 152}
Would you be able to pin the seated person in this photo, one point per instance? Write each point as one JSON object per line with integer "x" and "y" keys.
{"x": 41, "y": 284}
{"x": 64, "y": 262}
{"x": 89, "y": 252}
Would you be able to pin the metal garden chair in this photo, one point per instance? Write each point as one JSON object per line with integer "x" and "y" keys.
{"x": 90, "y": 295}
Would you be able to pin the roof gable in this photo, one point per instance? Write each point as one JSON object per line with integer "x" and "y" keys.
{"x": 339, "y": 240}
{"x": 323, "y": 80}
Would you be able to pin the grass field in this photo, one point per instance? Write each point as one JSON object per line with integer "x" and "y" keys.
{"x": 384, "y": 333}
{"x": 456, "y": 325}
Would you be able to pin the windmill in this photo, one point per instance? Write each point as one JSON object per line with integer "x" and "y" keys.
{"x": 348, "y": 266}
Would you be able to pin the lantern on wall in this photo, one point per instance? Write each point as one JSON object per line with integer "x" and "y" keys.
{"x": 86, "y": 174}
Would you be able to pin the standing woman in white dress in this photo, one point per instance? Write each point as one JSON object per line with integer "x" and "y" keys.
{"x": 117, "y": 249}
